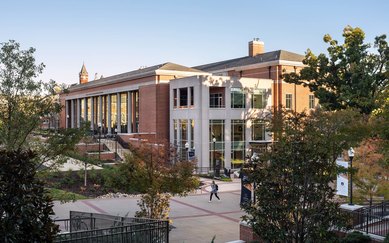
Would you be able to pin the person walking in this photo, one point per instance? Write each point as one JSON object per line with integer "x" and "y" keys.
{"x": 214, "y": 189}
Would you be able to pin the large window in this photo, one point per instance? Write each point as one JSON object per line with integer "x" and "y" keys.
{"x": 258, "y": 130}
{"x": 216, "y": 97}
{"x": 89, "y": 109}
{"x": 191, "y": 96}
{"x": 311, "y": 101}
{"x": 82, "y": 109}
{"x": 113, "y": 112}
{"x": 123, "y": 112}
{"x": 238, "y": 143}
{"x": 258, "y": 99}
{"x": 215, "y": 100}
{"x": 183, "y": 97}
{"x": 174, "y": 98}
{"x": 216, "y": 149}
{"x": 288, "y": 101}
{"x": 238, "y": 98}
{"x": 183, "y": 136}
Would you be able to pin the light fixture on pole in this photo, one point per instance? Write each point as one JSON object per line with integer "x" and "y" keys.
{"x": 99, "y": 127}
{"x": 351, "y": 157}
{"x": 213, "y": 159}
{"x": 186, "y": 149}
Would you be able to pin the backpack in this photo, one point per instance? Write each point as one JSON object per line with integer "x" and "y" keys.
{"x": 216, "y": 187}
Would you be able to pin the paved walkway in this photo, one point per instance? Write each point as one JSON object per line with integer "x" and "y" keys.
{"x": 194, "y": 218}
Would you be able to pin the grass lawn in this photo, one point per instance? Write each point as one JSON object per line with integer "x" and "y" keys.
{"x": 64, "y": 196}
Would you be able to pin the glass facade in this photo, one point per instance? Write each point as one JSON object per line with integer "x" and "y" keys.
{"x": 89, "y": 109}
{"x": 113, "y": 112}
{"x": 82, "y": 109}
{"x": 123, "y": 112}
{"x": 216, "y": 149}
{"x": 237, "y": 143}
{"x": 238, "y": 98}
{"x": 183, "y": 126}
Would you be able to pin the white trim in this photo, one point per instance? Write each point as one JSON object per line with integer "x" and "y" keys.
{"x": 260, "y": 65}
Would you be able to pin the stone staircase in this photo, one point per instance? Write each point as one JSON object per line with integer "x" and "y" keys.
{"x": 115, "y": 146}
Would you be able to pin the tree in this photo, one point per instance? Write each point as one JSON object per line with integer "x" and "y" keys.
{"x": 150, "y": 170}
{"x": 350, "y": 76}
{"x": 24, "y": 101}
{"x": 294, "y": 197}
{"x": 25, "y": 207}
{"x": 372, "y": 178}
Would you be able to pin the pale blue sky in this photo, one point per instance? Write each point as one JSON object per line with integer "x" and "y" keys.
{"x": 114, "y": 36}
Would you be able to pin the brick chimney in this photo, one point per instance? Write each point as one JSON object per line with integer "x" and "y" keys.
{"x": 256, "y": 47}
{"x": 83, "y": 75}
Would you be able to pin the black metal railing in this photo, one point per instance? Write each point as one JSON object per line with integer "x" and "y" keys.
{"x": 90, "y": 227}
{"x": 371, "y": 220}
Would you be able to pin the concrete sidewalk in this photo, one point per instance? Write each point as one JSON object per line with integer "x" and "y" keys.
{"x": 194, "y": 218}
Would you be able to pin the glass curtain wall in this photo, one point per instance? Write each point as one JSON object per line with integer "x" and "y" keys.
{"x": 123, "y": 112}
{"x": 183, "y": 124}
{"x": 82, "y": 109}
{"x": 89, "y": 109}
{"x": 238, "y": 143}
{"x": 113, "y": 112}
{"x": 216, "y": 149}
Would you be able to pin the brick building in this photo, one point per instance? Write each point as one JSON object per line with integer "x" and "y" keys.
{"x": 190, "y": 107}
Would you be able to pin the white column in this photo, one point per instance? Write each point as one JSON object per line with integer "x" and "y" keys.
{"x": 118, "y": 112}
{"x": 109, "y": 115}
{"x": 72, "y": 113}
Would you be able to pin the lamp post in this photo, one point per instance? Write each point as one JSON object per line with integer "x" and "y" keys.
{"x": 213, "y": 159}
{"x": 186, "y": 149}
{"x": 254, "y": 161}
{"x": 116, "y": 141}
{"x": 351, "y": 157}
{"x": 99, "y": 127}
{"x": 67, "y": 120}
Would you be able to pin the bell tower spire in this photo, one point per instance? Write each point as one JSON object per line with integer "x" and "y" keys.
{"x": 83, "y": 75}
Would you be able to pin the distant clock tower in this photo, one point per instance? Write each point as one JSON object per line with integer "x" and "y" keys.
{"x": 83, "y": 75}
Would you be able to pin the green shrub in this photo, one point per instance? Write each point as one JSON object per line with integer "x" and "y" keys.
{"x": 356, "y": 237}
{"x": 25, "y": 207}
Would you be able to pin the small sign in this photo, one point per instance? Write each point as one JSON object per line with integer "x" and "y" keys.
{"x": 191, "y": 154}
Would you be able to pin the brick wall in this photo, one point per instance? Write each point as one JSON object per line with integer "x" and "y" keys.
{"x": 82, "y": 148}
{"x": 247, "y": 234}
{"x": 103, "y": 155}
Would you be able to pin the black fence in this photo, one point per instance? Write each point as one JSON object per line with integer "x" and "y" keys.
{"x": 372, "y": 220}
{"x": 90, "y": 227}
